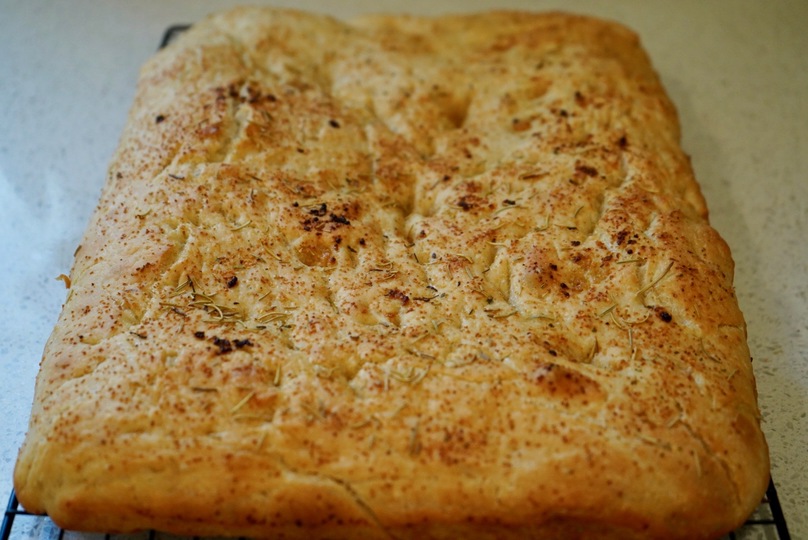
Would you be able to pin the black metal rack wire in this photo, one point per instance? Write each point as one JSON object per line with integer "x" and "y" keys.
{"x": 767, "y": 522}
{"x": 172, "y": 32}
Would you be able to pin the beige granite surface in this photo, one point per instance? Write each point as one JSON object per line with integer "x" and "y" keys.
{"x": 737, "y": 71}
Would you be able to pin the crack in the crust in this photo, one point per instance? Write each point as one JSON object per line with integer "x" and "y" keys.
{"x": 604, "y": 197}
{"x": 361, "y": 504}
{"x": 347, "y": 487}
{"x": 166, "y": 267}
{"x": 721, "y": 461}
{"x": 237, "y": 128}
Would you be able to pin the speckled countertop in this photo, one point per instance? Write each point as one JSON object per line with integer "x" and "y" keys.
{"x": 737, "y": 72}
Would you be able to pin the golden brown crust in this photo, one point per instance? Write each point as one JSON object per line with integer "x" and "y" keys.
{"x": 401, "y": 277}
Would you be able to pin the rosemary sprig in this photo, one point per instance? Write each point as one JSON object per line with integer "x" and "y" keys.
{"x": 241, "y": 226}
{"x": 242, "y": 403}
{"x": 657, "y": 280}
{"x": 272, "y": 316}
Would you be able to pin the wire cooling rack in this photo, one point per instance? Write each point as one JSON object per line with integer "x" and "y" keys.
{"x": 766, "y": 523}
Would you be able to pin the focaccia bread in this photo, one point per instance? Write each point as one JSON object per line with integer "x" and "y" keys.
{"x": 399, "y": 278}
